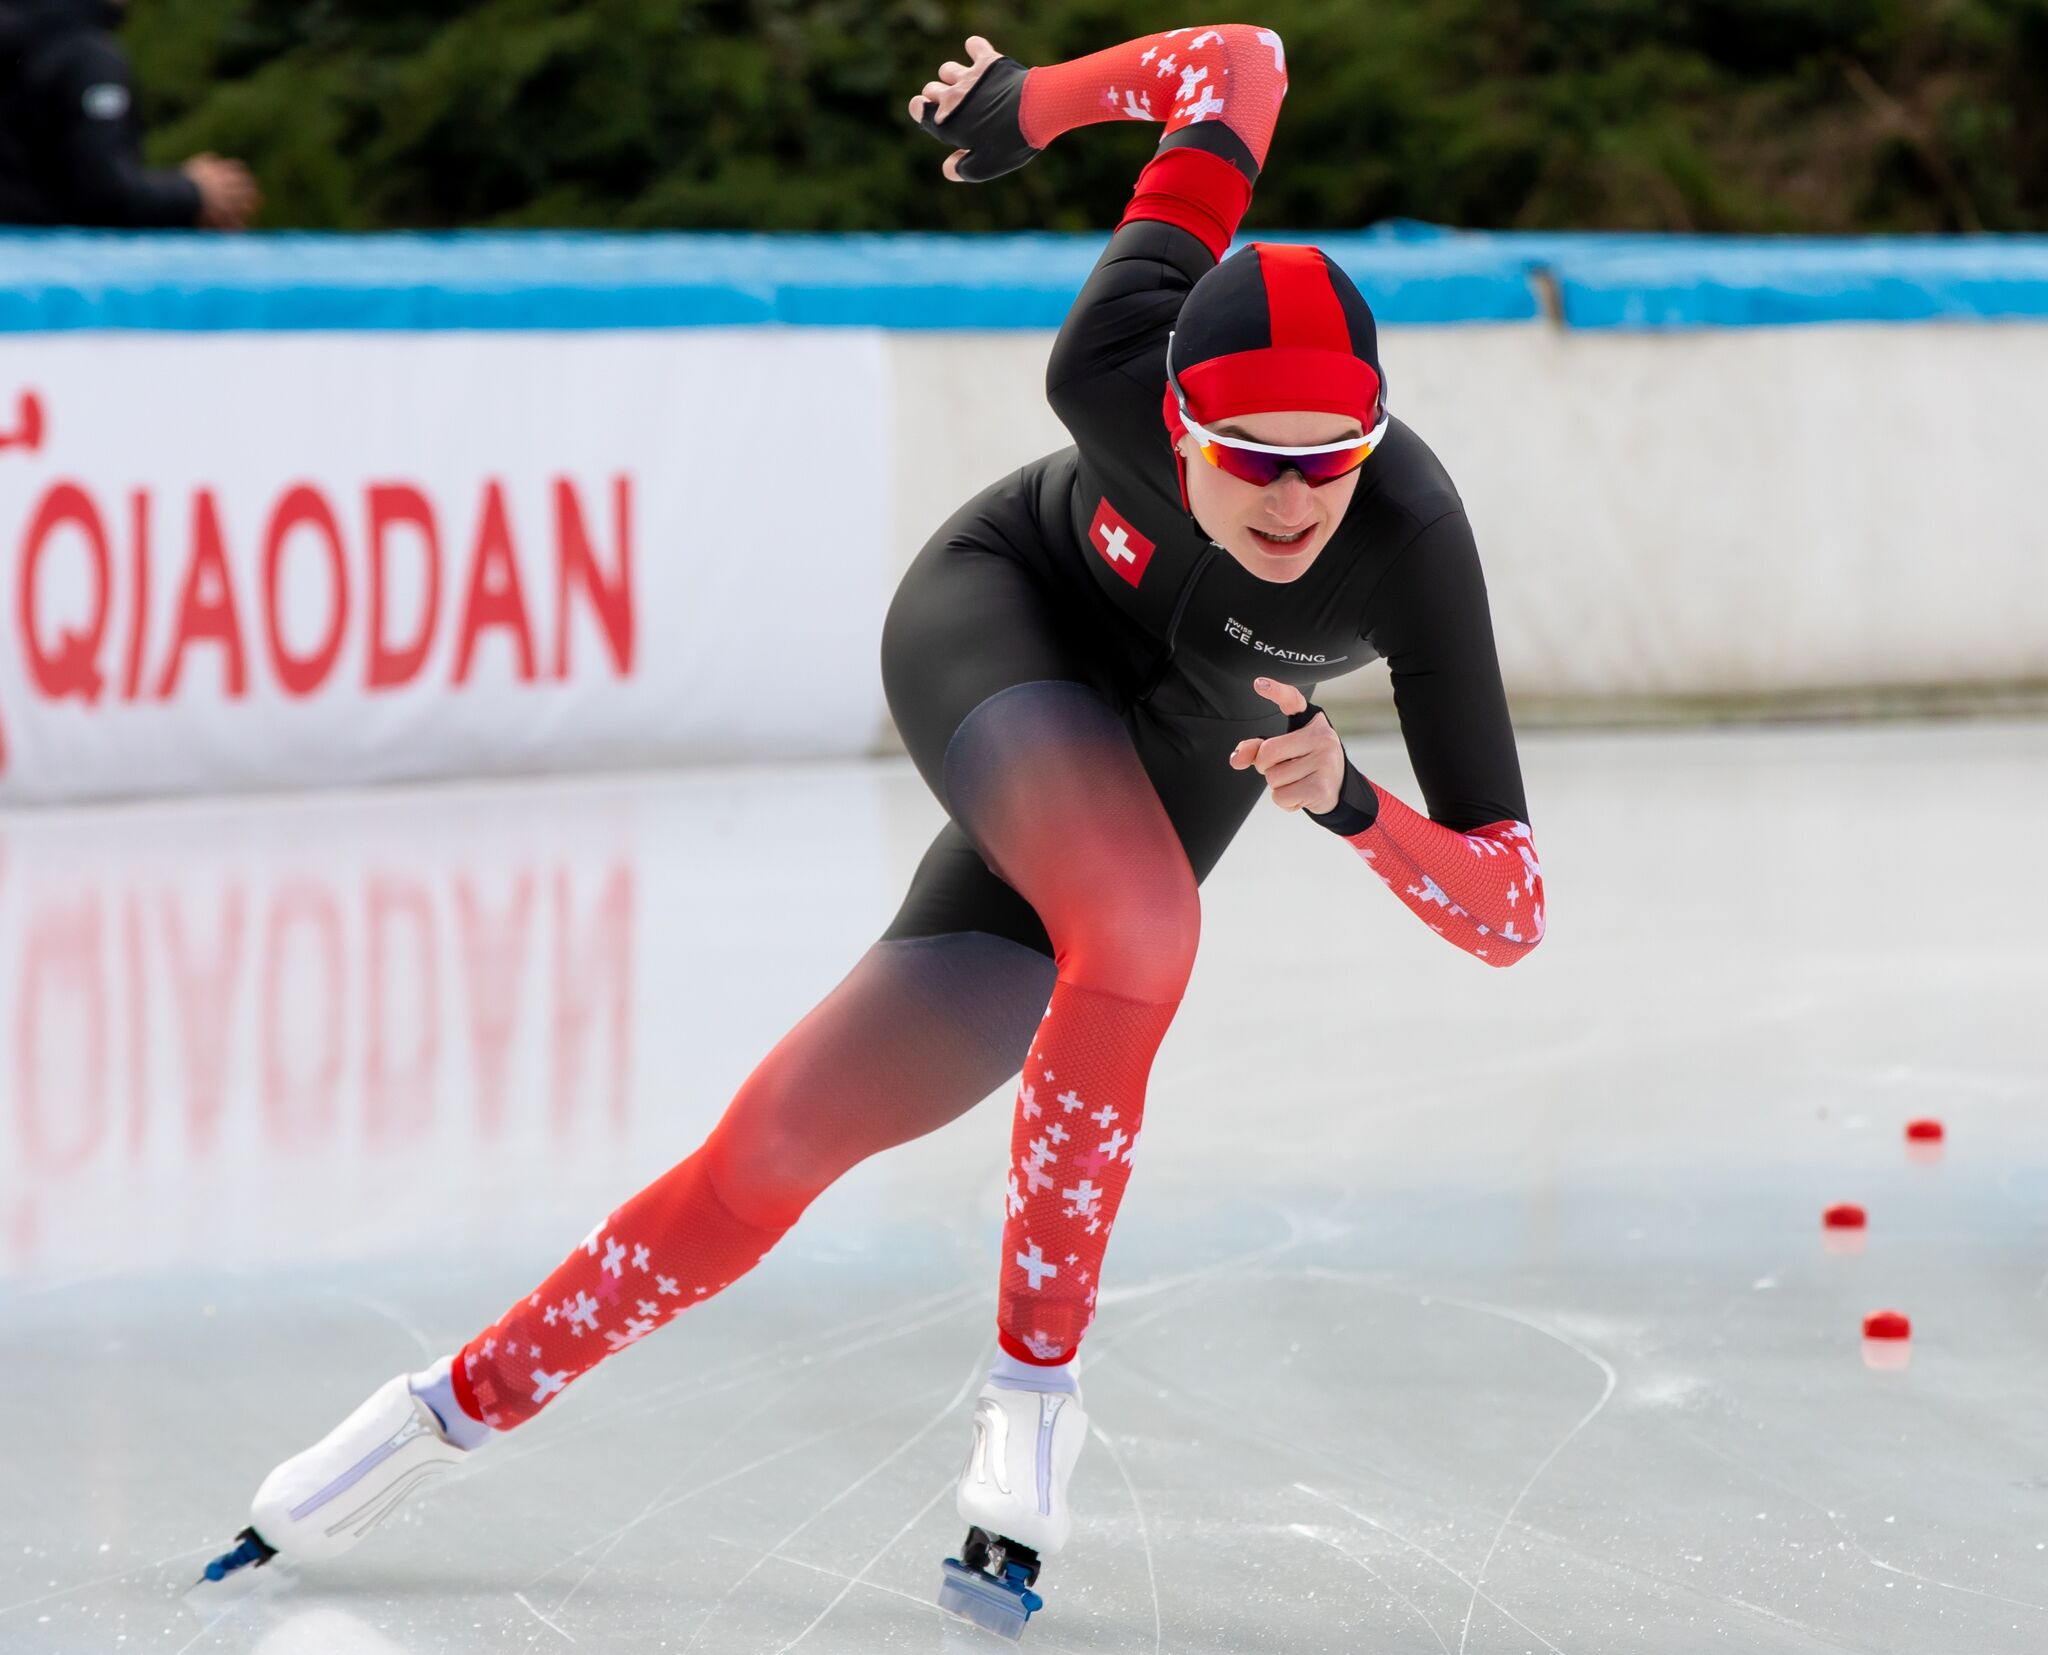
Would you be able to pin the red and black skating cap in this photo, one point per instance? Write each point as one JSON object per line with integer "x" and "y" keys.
{"x": 1275, "y": 327}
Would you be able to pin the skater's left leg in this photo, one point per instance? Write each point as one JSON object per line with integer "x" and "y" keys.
{"x": 1106, "y": 821}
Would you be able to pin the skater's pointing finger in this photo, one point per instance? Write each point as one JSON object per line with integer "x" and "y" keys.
{"x": 1310, "y": 738}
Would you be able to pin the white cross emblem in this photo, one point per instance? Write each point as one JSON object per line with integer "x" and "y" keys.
{"x": 1085, "y": 1197}
{"x": 1118, "y": 545}
{"x": 1027, "y": 1100}
{"x": 1206, "y": 107}
{"x": 582, "y": 1314}
{"x": 614, "y": 1258}
{"x": 640, "y": 1258}
{"x": 1103, "y": 1116}
{"x": 1033, "y": 1265}
{"x": 636, "y": 1330}
{"x": 1430, "y": 891}
{"x": 1112, "y": 1144}
{"x": 547, "y": 1384}
{"x": 666, "y": 1284}
{"x": 1070, "y": 1100}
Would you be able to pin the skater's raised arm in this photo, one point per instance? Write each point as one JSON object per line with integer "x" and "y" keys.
{"x": 1468, "y": 869}
{"x": 1217, "y": 89}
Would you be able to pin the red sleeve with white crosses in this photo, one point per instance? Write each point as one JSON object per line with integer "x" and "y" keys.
{"x": 1234, "y": 73}
{"x": 1482, "y": 890}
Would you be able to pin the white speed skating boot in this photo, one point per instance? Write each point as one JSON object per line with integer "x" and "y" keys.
{"x": 319, "y": 1503}
{"x": 1013, "y": 1495}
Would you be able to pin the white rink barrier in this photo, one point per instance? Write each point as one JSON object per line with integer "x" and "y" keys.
{"x": 266, "y": 560}
{"x": 258, "y": 559}
{"x": 1745, "y": 512}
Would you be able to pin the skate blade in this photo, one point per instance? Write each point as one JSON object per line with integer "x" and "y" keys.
{"x": 988, "y": 1603}
{"x": 209, "y": 1599}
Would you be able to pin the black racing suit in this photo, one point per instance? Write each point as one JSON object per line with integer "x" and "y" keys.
{"x": 1022, "y": 585}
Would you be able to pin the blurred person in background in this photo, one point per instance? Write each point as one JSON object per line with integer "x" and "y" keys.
{"x": 71, "y": 139}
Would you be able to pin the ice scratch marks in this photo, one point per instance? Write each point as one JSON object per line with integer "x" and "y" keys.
{"x": 396, "y": 1318}
{"x": 891, "y": 1323}
{"x": 212, "y": 1549}
{"x": 883, "y": 1551}
{"x": 1606, "y": 1393}
{"x": 537, "y": 1615}
{"x": 660, "y": 1506}
{"x": 1308, "y": 1531}
{"x": 973, "y": 1379}
{"x": 930, "y": 1609}
{"x": 807, "y": 1367}
{"x": 1144, "y": 1535}
{"x": 1478, "y": 1596}
{"x": 1846, "y": 1535}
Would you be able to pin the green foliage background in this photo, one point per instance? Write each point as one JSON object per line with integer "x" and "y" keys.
{"x": 1819, "y": 115}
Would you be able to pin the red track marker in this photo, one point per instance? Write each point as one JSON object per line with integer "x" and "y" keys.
{"x": 1845, "y": 1215}
{"x": 1886, "y": 1324}
{"x": 1925, "y": 1132}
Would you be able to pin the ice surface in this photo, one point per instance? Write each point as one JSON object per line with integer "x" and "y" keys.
{"x": 1452, "y": 1309}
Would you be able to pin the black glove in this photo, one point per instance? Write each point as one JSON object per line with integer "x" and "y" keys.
{"x": 1357, "y": 806}
{"x": 985, "y": 123}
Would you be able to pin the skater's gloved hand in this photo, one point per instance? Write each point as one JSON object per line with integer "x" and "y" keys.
{"x": 1306, "y": 769}
{"x": 985, "y": 125}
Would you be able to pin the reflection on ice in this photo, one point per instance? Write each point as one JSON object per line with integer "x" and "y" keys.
{"x": 1451, "y": 1310}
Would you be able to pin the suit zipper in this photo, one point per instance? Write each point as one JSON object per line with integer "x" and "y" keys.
{"x": 1157, "y": 675}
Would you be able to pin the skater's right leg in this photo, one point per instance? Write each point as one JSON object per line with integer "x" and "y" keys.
{"x": 930, "y": 1021}
{"x": 923, "y": 1028}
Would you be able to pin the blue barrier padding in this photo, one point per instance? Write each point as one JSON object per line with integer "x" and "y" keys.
{"x": 1668, "y": 280}
{"x": 1776, "y": 283}
{"x": 68, "y": 280}
{"x": 1411, "y": 274}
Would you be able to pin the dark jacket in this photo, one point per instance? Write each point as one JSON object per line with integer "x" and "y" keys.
{"x": 70, "y": 136}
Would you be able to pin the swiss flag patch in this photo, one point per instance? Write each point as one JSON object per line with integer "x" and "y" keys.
{"x": 1118, "y": 544}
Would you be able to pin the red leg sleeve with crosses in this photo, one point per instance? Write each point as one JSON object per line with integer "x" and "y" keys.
{"x": 1234, "y": 73}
